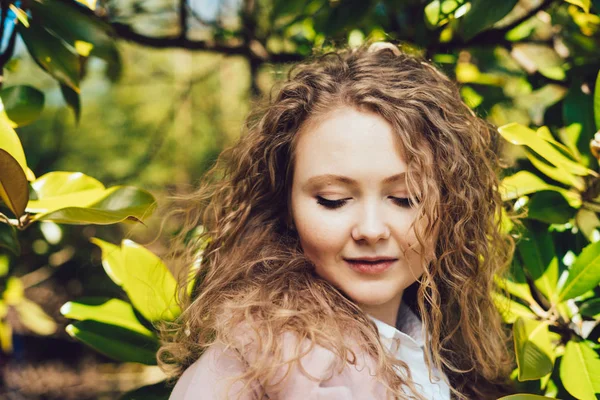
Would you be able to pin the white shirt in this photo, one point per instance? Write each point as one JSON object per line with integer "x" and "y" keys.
{"x": 408, "y": 346}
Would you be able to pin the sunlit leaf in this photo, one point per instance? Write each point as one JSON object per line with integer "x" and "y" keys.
{"x": 144, "y": 277}
{"x": 34, "y": 318}
{"x": 23, "y": 104}
{"x": 511, "y": 310}
{"x": 115, "y": 342}
{"x": 10, "y": 142}
{"x": 533, "y": 348}
{"x": 108, "y": 311}
{"x": 537, "y": 253}
{"x": 584, "y": 4}
{"x": 524, "y": 182}
{"x": 584, "y": 274}
{"x": 521, "y": 135}
{"x": 558, "y": 174}
{"x": 579, "y": 370}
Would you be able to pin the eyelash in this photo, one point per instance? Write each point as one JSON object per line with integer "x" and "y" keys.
{"x": 333, "y": 204}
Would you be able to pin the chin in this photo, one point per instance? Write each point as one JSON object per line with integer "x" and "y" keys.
{"x": 373, "y": 294}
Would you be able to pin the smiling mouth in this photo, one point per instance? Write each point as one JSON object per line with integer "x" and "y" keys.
{"x": 370, "y": 266}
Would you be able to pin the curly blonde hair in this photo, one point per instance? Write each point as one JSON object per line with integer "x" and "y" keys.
{"x": 252, "y": 270}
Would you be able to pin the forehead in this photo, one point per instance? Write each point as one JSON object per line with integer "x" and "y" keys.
{"x": 346, "y": 141}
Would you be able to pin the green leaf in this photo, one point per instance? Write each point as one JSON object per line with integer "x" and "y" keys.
{"x": 108, "y": 311}
{"x": 158, "y": 391}
{"x": 510, "y": 309}
{"x": 74, "y": 198}
{"x": 83, "y": 25}
{"x": 537, "y": 252}
{"x": 521, "y": 135}
{"x": 144, "y": 277}
{"x": 14, "y": 190}
{"x": 516, "y": 284}
{"x": 590, "y": 308}
{"x": 579, "y": 371}
{"x": 4, "y": 269}
{"x": 584, "y": 274}
{"x": 483, "y": 14}
{"x": 540, "y": 57}
{"x": 533, "y": 348}
{"x": 597, "y": 102}
{"x": 524, "y": 182}
{"x": 588, "y": 223}
{"x": 340, "y": 16}
{"x": 115, "y": 342}
{"x": 8, "y": 239}
{"x": 72, "y": 99}
{"x": 578, "y": 108}
{"x": 23, "y": 104}
{"x": 523, "y": 396}
{"x": 432, "y": 14}
{"x": 550, "y": 207}
{"x": 34, "y": 318}
{"x": 52, "y": 54}
{"x": 10, "y": 142}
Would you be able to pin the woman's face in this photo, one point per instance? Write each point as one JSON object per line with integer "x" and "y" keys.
{"x": 349, "y": 201}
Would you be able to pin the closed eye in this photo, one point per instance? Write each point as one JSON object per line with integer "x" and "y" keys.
{"x": 402, "y": 201}
{"x": 331, "y": 204}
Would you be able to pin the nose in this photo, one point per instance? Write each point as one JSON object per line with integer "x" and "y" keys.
{"x": 371, "y": 226}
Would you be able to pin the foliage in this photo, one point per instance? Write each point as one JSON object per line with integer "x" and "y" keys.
{"x": 528, "y": 66}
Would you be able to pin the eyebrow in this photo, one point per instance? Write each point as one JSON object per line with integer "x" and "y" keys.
{"x": 326, "y": 178}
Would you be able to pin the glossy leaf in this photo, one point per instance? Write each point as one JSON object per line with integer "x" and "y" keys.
{"x": 550, "y": 207}
{"x": 14, "y": 190}
{"x": 483, "y": 14}
{"x": 537, "y": 253}
{"x": 511, "y": 310}
{"x": 10, "y": 142}
{"x": 521, "y": 135}
{"x": 584, "y": 274}
{"x": 558, "y": 174}
{"x": 108, "y": 311}
{"x": 590, "y": 308}
{"x": 52, "y": 54}
{"x": 579, "y": 371}
{"x": 524, "y": 182}
{"x": 34, "y": 318}
{"x": 144, "y": 277}
{"x": 533, "y": 348}
{"x": 74, "y": 198}
{"x": 115, "y": 342}
{"x": 83, "y": 25}
{"x": 8, "y": 239}
{"x": 22, "y": 104}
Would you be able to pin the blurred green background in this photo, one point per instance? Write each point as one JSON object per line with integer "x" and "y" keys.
{"x": 187, "y": 72}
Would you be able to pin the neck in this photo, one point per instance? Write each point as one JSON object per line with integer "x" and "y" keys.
{"x": 386, "y": 312}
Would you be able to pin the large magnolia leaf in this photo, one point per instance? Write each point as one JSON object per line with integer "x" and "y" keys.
{"x": 483, "y": 14}
{"x": 537, "y": 253}
{"x": 533, "y": 348}
{"x": 584, "y": 274}
{"x": 579, "y": 371}
{"x": 145, "y": 278}
{"x": 524, "y": 182}
{"x": 23, "y": 104}
{"x": 108, "y": 311}
{"x": 14, "y": 190}
{"x": 74, "y": 198}
{"x": 52, "y": 54}
{"x": 116, "y": 342}
{"x": 83, "y": 25}
{"x": 521, "y": 135}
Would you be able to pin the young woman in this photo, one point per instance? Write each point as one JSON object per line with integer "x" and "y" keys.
{"x": 352, "y": 237}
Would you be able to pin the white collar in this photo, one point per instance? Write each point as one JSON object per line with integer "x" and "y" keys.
{"x": 410, "y": 328}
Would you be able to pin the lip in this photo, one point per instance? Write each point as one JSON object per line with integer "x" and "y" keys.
{"x": 365, "y": 266}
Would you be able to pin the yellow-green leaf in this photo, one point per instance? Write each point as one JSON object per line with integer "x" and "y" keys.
{"x": 524, "y": 182}
{"x": 584, "y": 274}
{"x": 23, "y": 104}
{"x": 109, "y": 311}
{"x": 9, "y": 140}
{"x": 533, "y": 348}
{"x": 579, "y": 371}
{"x": 510, "y": 309}
{"x": 14, "y": 291}
{"x": 33, "y": 317}
{"x": 5, "y": 337}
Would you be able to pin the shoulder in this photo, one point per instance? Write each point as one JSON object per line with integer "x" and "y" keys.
{"x": 316, "y": 374}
